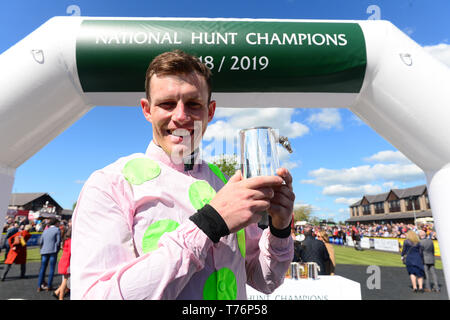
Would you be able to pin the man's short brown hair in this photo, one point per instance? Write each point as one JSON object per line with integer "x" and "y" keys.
{"x": 173, "y": 63}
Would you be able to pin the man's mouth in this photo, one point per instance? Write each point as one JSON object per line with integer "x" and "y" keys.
{"x": 180, "y": 132}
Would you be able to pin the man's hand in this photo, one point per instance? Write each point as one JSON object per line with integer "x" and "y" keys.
{"x": 240, "y": 200}
{"x": 282, "y": 204}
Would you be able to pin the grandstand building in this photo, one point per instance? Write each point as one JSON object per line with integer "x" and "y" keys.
{"x": 395, "y": 206}
{"x": 36, "y": 205}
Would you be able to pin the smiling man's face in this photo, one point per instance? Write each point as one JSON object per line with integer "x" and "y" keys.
{"x": 179, "y": 111}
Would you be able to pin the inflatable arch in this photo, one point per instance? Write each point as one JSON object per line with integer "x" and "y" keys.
{"x": 70, "y": 64}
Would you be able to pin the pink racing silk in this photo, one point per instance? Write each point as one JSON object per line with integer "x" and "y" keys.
{"x": 133, "y": 239}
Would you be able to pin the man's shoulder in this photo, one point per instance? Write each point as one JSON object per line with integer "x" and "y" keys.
{"x": 122, "y": 161}
{"x": 115, "y": 168}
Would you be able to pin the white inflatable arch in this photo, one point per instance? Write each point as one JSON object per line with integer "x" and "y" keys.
{"x": 70, "y": 64}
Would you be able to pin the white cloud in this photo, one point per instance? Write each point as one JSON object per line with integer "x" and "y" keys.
{"x": 223, "y": 133}
{"x": 346, "y": 201}
{"x": 441, "y": 52}
{"x": 390, "y": 185}
{"x": 220, "y": 129}
{"x": 299, "y": 205}
{"x": 388, "y": 156}
{"x": 343, "y": 200}
{"x": 290, "y": 164}
{"x": 326, "y": 119}
{"x": 348, "y": 185}
{"x": 240, "y": 118}
{"x": 348, "y": 190}
{"x": 366, "y": 174}
{"x": 409, "y": 30}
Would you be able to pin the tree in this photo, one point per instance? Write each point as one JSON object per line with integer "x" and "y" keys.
{"x": 314, "y": 221}
{"x": 228, "y": 164}
{"x": 302, "y": 213}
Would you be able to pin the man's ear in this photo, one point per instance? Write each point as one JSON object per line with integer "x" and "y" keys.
{"x": 211, "y": 110}
{"x": 146, "y": 109}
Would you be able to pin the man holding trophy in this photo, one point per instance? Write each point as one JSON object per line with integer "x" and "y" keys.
{"x": 167, "y": 225}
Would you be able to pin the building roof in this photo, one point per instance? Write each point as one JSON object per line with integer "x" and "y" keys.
{"x": 357, "y": 203}
{"x": 372, "y": 199}
{"x": 410, "y": 192}
{"x": 400, "y": 193}
{"x": 21, "y": 199}
{"x": 378, "y": 197}
{"x": 66, "y": 212}
{"x": 391, "y": 216}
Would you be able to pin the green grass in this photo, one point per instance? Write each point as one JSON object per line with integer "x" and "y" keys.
{"x": 33, "y": 255}
{"x": 344, "y": 255}
{"x": 348, "y": 255}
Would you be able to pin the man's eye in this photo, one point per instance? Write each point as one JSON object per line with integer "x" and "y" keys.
{"x": 167, "y": 105}
{"x": 194, "y": 105}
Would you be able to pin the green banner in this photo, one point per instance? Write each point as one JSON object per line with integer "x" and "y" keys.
{"x": 244, "y": 56}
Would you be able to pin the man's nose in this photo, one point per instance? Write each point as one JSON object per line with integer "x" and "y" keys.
{"x": 180, "y": 113}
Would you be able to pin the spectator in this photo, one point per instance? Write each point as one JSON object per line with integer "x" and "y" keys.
{"x": 18, "y": 252}
{"x": 8, "y": 224}
{"x": 413, "y": 258}
{"x": 64, "y": 265}
{"x": 39, "y": 226}
{"x": 341, "y": 235}
{"x": 297, "y": 247}
{"x": 13, "y": 229}
{"x": 50, "y": 243}
{"x": 314, "y": 250}
{"x": 23, "y": 222}
{"x": 428, "y": 259}
{"x": 356, "y": 238}
{"x": 330, "y": 265}
{"x": 335, "y": 233}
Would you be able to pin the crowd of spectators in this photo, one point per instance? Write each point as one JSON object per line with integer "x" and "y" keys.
{"x": 38, "y": 225}
{"x": 18, "y": 223}
{"x": 394, "y": 230}
{"x": 56, "y": 235}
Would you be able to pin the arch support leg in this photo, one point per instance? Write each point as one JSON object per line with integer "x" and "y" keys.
{"x": 7, "y": 175}
{"x": 439, "y": 195}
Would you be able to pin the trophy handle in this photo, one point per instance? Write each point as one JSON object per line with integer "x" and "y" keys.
{"x": 285, "y": 143}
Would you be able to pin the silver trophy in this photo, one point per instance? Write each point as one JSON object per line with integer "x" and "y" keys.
{"x": 259, "y": 155}
{"x": 313, "y": 270}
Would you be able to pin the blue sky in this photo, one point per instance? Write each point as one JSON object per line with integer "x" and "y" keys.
{"x": 336, "y": 159}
